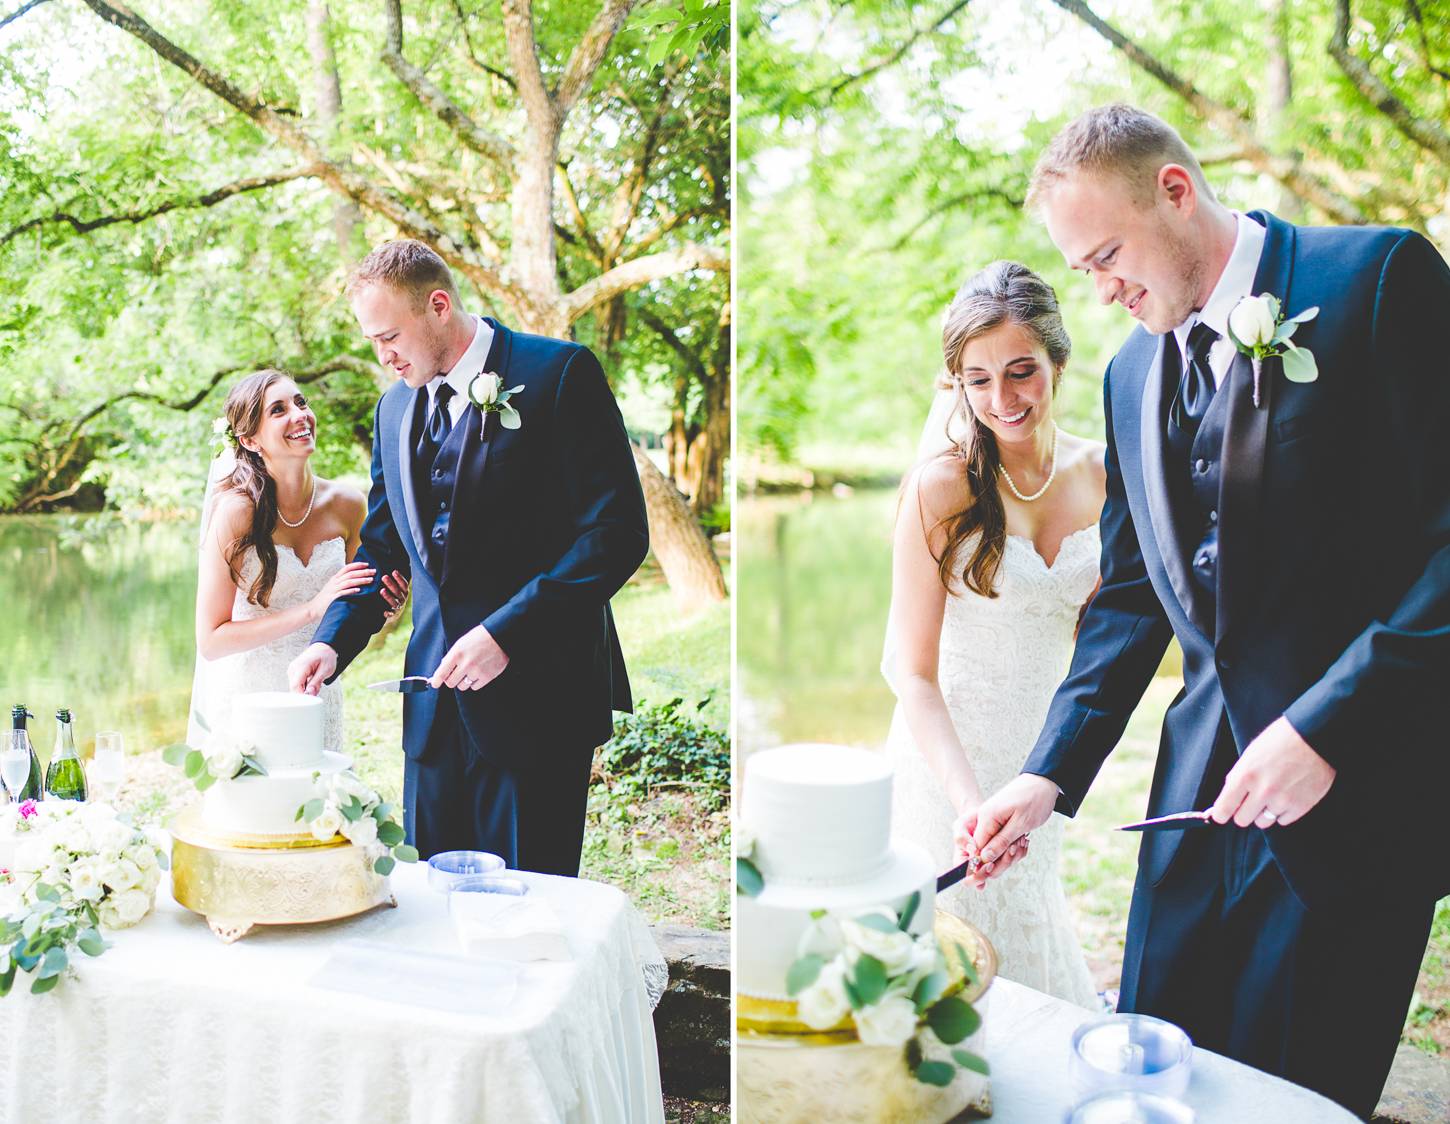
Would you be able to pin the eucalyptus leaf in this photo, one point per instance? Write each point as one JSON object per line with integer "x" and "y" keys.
{"x": 877, "y": 922}
{"x": 952, "y": 1019}
{"x": 44, "y": 984}
{"x": 869, "y": 978}
{"x": 53, "y": 962}
{"x": 90, "y": 947}
{"x": 1307, "y": 314}
{"x": 405, "y": 853}
{"x": 46, "y": 892}
{"x": 312, "y": 809}
{"x": 7, "y": 980}
{"x": 352, "y": 810}
{"x": 966, "y": 962}
{"x": 1273, "y": 303}
{"x": 929, "y": 990}
{"x": 176, "y": 754}
{"x": 201, "y": 721}
{"x": 971, "y": 1061}
{"x": 1299, "y": 365}
{"x": 940, "y": 1074}
{"x": 509, "y": 418}
{"x": 194, "y": 763}
{"x": 383, "y": 865}
{"x": 204, "y": 782}
{"x": 390, "y": 833}
{"x": 1283, "y": 332}
{"x": 383, "y": 811}
{"x": 747, "y": 878}
{"x": 252, "y": 767}
{"x": 908, "y": 914}
{"x": 31, "y": 925}
{"x": 802, "y": 973}
{"x": 163, "y": 860}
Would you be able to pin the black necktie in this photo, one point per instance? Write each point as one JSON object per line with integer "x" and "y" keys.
{"x": 1196, "y": 385}
{"x": 440, "y": 425}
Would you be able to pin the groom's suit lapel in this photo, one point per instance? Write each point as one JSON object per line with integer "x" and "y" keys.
{"x": 473, "y": 458}
{"x": 1167, "y": 523}
{"x": 409, "y": 430}
{"x": 1245, "y": 439}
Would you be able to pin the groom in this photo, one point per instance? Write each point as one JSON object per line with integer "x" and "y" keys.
{"x": 1299, "y": 549}
{"x": 515, "y": 537}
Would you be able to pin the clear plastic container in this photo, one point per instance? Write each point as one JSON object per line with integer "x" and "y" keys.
{"x": 1136, "y": 1052}
{"x": 447, "y": 867}
{"x": 1123, "y": 1106}
{"x": 489, "y": 884}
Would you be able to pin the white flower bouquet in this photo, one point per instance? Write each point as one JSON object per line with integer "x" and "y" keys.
{"x": 890, "y": 984}
{"x": 76, "y": 867}
{"x": 346, "y": 806}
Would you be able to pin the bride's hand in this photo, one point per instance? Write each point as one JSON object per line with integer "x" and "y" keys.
{"x": 395, "y": 592}
{"x": 351, "y": 578}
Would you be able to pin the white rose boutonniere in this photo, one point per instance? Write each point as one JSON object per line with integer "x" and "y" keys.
{"x": 486, "y": 392}
{"x": 1259, "y": 329}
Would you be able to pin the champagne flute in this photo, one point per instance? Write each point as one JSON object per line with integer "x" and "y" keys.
{"x": 15, "y": 761}
{"x": 108, "y": 767}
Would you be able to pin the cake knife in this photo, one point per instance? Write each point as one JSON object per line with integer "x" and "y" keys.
{"x": 406, "y": 686}
{"x": 956, "y": 874}
{"x": 1176, "y": 822}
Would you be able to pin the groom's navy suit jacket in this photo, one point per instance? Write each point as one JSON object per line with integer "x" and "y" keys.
{"x": 546, "y": 522}
{"x": 1332, "y": 595}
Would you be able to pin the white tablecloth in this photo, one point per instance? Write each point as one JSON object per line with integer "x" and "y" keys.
{"x": 170, "y": 1026}
{"x": 1029, "y": 1034}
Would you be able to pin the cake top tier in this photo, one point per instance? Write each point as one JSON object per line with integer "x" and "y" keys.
{"x": 820, "y": 814}
{"x": 284, "y": 728}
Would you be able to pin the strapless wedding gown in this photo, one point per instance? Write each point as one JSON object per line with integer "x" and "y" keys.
{"x": 217, "y": 683}
{"x": 1000, "y": 661}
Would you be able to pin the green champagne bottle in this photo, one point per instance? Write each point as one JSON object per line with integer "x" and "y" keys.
{"x": 31, "y": 791}
{"x": 65, "y": 779}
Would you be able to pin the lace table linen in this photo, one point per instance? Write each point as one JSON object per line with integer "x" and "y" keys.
{"x": 172, "y": 1026}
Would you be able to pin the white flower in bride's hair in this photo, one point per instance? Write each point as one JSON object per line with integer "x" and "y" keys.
{"x": 824, "y": 1003}
{"x": 483, "y": 390}
{"x": 1252, "y": 320}
{"x": 219, "y": 425}
{"x": 888, "y": 1023}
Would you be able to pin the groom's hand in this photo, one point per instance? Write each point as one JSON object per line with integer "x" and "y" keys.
{"x": 309, "y": 671}
{"x": 1277, "y": 779}
{"x": 473, "y": 661}
{"x": 1025, "y": 804}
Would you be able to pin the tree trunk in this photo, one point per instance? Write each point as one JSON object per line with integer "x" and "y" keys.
{"x": 684, "y": 553}
{"x": 327, "y": 90}
{"x": 1279, "y": 96}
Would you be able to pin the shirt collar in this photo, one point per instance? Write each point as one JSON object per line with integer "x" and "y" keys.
{"x": 471, "y": 363}
{"x": 1235, "y": 283}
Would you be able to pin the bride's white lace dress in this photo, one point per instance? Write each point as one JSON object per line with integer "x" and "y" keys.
{"x": 1000, "y": 661}
{"x": 217, "y": 683}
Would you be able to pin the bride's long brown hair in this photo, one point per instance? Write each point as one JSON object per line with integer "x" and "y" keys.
{"x": 1006, "y": 292}
{"x": 251, "y": 478}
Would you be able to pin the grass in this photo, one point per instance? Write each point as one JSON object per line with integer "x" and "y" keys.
{"x": 1099, "y": 865}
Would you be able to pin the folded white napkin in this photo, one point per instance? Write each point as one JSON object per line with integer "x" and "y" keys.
{"x": 506, "y": 927}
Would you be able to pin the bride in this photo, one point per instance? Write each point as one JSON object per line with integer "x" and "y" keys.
{"x": 276, "y": 540}
{"x": 995, "y": 557}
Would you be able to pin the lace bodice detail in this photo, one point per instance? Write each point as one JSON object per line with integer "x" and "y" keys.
{"x": 1000, "y": 661}
{"x": 218, "y": 682}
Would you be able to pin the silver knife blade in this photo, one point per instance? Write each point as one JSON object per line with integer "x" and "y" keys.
{"x": 1176, "y": 822}
{"x": 406, "y": 686}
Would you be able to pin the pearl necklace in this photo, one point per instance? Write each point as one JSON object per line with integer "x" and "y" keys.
{"x": 1037, "y": 495}
{"x": 314, "y": 497}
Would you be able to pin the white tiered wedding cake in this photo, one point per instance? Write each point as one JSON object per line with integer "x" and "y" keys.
{"x": 820, "y": 820}
{"x": 284, "y": 733}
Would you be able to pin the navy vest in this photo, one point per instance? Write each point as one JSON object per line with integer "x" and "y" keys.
{"x": 433, "y": 492}
{"x": 1196, "y": 472}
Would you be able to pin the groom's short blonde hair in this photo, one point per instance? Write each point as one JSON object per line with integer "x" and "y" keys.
{"x": 411, "y": 267}
{"x": 1116, "y": 140}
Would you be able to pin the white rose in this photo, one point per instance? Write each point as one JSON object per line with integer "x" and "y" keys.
{"x": 85, "y": 879}
{"x": 824, "y": 1004}
{"x": 821, "y": 937}
{"x": 115, "y": 836}
{"x": 350, "y": 784}
{"x": 121, "y": 875}
{"x": 126, "y": 908}
{"x": 150, "y": 879}
{"x": 744, "y": 840}
{"x": 363, "y": 832}
{"x": 896, "y": 950}
{"x": 1252, "y": 321}
{"x": 141, "y": 854}
{"x": 484, "y": 389}
{"x": 888, "y": 1023}
{"x": 325, "y": 826}
{"x": 224, "y": 760}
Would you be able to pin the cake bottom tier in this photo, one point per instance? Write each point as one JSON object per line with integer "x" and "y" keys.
{"x": 267, "y": 805}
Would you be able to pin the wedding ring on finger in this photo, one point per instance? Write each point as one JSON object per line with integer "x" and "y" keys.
{"x": 464, "y": 684}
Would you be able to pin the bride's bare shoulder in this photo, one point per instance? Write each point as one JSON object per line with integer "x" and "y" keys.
{"x": 940, "y": 483}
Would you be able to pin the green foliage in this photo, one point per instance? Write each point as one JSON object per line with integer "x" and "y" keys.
{"x": 952, "y": 1019}
{"x": 802, "y": 973}
{"x": 657, "y": 747}
{"x": 748, "y": 879}
{"x": 37, "y": 938}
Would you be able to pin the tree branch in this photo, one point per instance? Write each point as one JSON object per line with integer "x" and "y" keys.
{"x": 210, "y": 199}
{"x": 845, "y": 80}
{"x": 468, "y": 44}
{"x": 1426, "y": 134}
{"x": 1310, "y": 188}
{"x": 956, "y": 201}
{"x": 342, "y": 179}
{"x": 586, "y": 57}
{"x": 523, "y": 48}
{"x": 675, "y": 344}
{"x": 641, "y": 271}
{"x": 15, "y": 15}
{"x": 483, "y": 141}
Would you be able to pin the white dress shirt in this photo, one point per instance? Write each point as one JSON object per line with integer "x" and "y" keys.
{"x": 1233, "y": 285}
{"x": 471, "y": 363}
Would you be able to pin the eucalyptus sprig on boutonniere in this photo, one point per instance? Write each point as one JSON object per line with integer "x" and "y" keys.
{"x": 1259, "y": 330}
{"x": 487, "y": 393}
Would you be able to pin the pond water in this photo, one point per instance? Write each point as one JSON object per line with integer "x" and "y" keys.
{"x": 100, "y": 622}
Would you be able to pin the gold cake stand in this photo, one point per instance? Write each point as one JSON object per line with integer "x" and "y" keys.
{"x": 236, "y": 881}
{"x": 790, "y": 1074}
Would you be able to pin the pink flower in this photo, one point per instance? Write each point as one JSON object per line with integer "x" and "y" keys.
{"x": 27, "y": 809}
